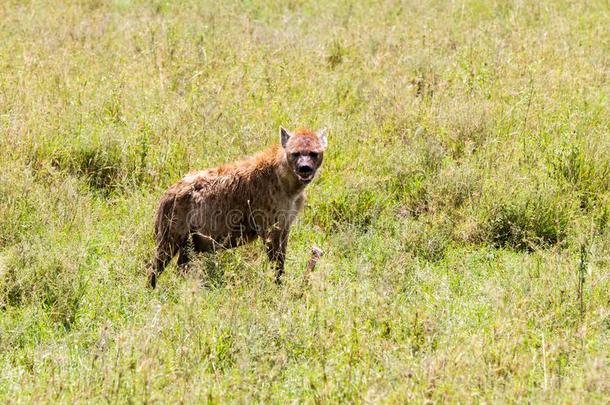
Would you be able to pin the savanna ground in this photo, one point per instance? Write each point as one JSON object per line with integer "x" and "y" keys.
{"x": 463, "y": 205}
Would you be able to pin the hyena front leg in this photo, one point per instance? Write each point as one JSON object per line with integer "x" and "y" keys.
{"x": 276, "y": 251}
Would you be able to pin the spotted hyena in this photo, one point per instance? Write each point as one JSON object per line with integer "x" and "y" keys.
{"x": 234, "y": 204}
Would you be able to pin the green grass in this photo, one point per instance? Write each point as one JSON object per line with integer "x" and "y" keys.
{"x": 464, "y": 196}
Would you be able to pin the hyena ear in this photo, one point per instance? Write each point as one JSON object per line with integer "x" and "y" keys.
{"x": 322, "y": 137}
{"x": 284, "y": 136}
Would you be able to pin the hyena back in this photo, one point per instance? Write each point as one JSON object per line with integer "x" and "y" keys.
{"x": 230, "y": 205}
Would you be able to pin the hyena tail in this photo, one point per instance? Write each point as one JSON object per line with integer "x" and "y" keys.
{"x": 166, "y": 247}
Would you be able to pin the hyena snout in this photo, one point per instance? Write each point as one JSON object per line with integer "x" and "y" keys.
{"x": 305, "y": 169}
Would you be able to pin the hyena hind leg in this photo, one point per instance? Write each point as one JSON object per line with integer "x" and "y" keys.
{"x": 184, "y": 257}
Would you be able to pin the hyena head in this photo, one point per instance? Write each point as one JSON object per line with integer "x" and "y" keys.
{"x": 304, "y": 151}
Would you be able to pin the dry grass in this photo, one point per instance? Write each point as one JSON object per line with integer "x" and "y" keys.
{"x": 468, "y": 167}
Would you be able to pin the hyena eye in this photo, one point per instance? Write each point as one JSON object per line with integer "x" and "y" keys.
{"x": 295, "y": 155}
{"x": 313, "y": 155}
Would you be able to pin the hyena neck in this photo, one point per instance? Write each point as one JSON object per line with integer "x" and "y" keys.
{"x": 286, "y": 179}
{"x": 270, "y": 168}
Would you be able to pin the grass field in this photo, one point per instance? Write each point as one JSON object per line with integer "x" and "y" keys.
{"x": 463, "y": 205}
